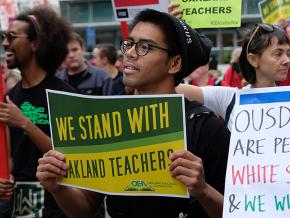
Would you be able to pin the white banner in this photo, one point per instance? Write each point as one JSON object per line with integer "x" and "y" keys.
{"x": 258, "y": 171}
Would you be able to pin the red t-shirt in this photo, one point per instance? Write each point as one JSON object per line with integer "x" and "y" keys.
{"x": 231, "y": 78}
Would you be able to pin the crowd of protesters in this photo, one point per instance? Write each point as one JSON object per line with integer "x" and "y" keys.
{"x": 162, "y": 55}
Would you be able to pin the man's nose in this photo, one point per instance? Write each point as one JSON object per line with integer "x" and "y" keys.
{"x": 286, "y": 59}
{"x": 70, "y": 54}
{"x": 131, "y": 52}
{"x": 5, "y": 42}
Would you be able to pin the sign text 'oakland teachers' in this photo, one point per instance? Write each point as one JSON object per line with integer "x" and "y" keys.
{"x": 119, "y": 145}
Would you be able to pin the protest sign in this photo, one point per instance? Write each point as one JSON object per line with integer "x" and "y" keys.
{"x": 258, "y": 171}
{"x": 119, "y": 145}
{"x": 8, "y": 9}
{"x": 272, "y": 11}
{"x": 212, "y": 14}
{"x": 285, "y": 9}
{"x": 125, "y": 10}
{"x": 4, "y": 154}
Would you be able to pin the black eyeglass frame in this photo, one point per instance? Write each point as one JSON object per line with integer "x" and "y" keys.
{"x": 10, "y": 36}
{"x": 137, "y": 45}
{"x": 266, "y": 28}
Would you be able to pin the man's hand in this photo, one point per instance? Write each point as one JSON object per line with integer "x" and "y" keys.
{"x": 174, "y": 10}
{"x": 12, "y": 115}
{"x": 6, "y": 186}
{"x": 50, "y": 168}
{"x": 188, "y": 169}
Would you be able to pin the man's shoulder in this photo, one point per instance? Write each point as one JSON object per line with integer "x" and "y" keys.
{"x": 97, "y": 72}
{"x": 56, "y": 83}
{"x": 60, "y": 71}
{"x": 203, "y": 126}
{"x": 198, "y": 116}
{"x": 194, "y": 108}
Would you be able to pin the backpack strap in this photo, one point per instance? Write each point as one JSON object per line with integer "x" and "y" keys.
{"x": 196, "y": 115}
{"x": 230, "y": 109}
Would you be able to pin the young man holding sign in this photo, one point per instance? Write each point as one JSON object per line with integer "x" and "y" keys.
{"x": 156, "y": 57}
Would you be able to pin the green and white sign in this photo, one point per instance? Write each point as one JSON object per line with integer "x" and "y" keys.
{"x": 119, "y": 145}
{"x": 212, "y": 13}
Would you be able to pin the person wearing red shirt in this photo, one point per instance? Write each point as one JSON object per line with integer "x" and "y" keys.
{"x": 232, "y": 76}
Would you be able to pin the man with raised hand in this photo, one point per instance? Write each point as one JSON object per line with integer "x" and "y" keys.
{"x": 159, "y": 53}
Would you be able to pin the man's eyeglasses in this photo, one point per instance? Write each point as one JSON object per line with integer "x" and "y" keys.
{"x": 264, "y": 28}
{"x": 142, "y": 47}
{"x": 11, "y": 36}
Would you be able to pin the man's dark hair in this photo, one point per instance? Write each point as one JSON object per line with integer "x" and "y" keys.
{"x": 165, "y": 24}
{"x": 76, "y": 37}
{"x": 51, "y": 33}
{"x": 108, "y": 51}
{"x": 259, "y": 43}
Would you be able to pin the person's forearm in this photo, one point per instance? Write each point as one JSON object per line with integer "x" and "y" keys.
{"x": 212, "y": 202}
{"x": 77, "y": 203}
{"x": 37, "y": 136}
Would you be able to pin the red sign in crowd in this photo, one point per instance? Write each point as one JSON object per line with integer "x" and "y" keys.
{"x": 4, "y": 168}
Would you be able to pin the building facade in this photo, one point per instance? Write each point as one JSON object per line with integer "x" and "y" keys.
{"x": 94, "y": 19}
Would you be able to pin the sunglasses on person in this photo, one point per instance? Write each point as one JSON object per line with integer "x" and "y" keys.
{"x": 10, "y": 36}
{"x": 142, "y": 47}
{"x": 264, "y": 28}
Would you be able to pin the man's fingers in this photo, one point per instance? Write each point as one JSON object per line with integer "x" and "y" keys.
{"x": 184, "y": 154}
{"x": 49, "y": 168}
{"x": 179, "y": 16}
{"x": 50, "y": 163}
{"x": 3, "y": 116}
{"x": 6, "y": 190}
{"x": 6, "y": 182}
{"x": 192, "y": 169}
{"x": 172, "y": 5}
{"x": 180, "y": 162}
{"x": 177, "y": 12}
{"x": 6, "y": 187}
{"x": 3, "y": 104}
{"x": 9, "y": 101}
{"x": 56, "y": 154}
{"x": 174, "y": 10}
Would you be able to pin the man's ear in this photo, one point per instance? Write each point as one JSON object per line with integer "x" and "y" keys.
{"x": 104, "y": 60}
{"x": 175, "y": 64}
{"x": 34, "y": 45}
{"x": 253, "y": 59}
